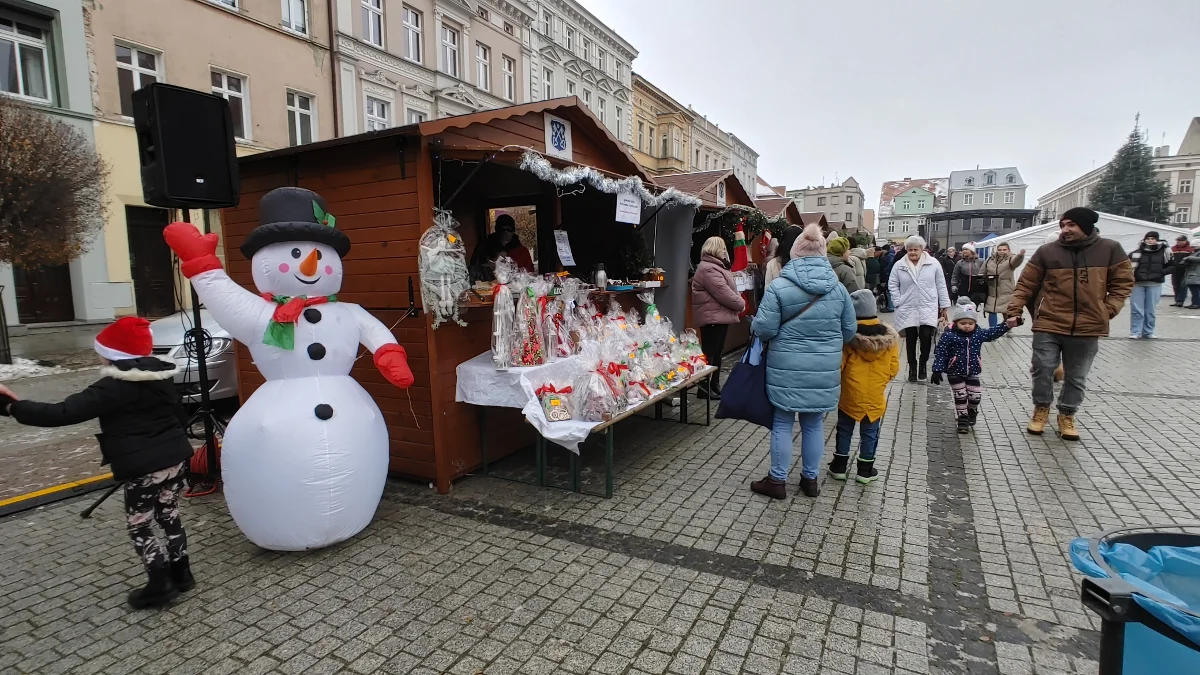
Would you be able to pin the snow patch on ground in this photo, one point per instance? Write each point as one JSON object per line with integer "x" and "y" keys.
{"x": 22, "y": 368}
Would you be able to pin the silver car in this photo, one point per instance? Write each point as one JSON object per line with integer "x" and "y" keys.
{"x": 222, "y": 369}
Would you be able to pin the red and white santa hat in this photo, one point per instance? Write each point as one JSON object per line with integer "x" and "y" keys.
{"x": 127, "y": 338}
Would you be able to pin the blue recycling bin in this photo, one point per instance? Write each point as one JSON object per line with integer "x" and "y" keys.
{"x": 1144, "y": 583}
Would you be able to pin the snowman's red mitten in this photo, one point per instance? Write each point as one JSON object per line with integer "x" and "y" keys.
{"x": 392, "y": 361}
{"x": 197, "y": 252}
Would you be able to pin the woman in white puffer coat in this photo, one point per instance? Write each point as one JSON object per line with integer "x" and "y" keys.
{"x": 918, "y": 290}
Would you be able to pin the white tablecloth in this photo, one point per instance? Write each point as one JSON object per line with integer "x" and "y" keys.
{"x": 479, "y": 383}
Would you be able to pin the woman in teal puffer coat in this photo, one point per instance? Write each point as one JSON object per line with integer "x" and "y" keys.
{"x": 808, "y": 317}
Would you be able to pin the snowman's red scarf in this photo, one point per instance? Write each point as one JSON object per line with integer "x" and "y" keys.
{"x": 281, "y": 330}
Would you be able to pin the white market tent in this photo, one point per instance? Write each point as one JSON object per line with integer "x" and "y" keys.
{"x": 1129, "y": 232}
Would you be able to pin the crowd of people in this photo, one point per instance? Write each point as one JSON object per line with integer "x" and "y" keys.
{"x": 828, "y": 349}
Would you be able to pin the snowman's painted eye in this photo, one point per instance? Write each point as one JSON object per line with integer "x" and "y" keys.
{"x": 296, "y": 253}
{"x": 318, "y": 254}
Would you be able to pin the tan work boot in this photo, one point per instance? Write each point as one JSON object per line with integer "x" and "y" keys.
{"x": 1066, "y": 428}
{"x": 1037, "y": 425}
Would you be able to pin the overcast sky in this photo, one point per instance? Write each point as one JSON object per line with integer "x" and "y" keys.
{"x": 884, "y": 89}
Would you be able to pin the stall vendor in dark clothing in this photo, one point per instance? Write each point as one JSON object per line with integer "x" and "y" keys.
{"x": 503, "y": 242}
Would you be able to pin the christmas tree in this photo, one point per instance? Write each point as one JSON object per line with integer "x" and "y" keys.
{"x": 1129, "y": 186}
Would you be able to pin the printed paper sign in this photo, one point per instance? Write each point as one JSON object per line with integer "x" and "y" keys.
{"x": 558, "y": 138}
{"x": 629, "y": 208}
{"x": 564, "y": 248}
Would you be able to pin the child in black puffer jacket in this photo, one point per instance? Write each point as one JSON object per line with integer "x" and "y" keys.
{"x": 143, "y": 441}
{"x": 959, "y": 354}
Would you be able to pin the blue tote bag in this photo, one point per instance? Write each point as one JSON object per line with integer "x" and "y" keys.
{"x": 744, "y": 396}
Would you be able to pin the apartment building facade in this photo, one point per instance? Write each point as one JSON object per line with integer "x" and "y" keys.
{"x": 662, "y": 130}
{"x": 43, "y": 46}
{"x": 842, "y": 204}
{"x": 405, "y": 62}
{"x": 1001, "y": 188}
{"x": 904, "y": 205}
{"x": 572, "y": 53}
{"x": 712, "y": 148}
{"x": 745, "y": 163}
{"x": 1180, "y": 171}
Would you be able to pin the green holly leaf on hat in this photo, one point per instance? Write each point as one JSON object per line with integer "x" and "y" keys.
{"x": 323, "y": 218}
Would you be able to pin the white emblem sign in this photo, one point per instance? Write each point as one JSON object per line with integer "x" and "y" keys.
{"x": 558, "y": 138}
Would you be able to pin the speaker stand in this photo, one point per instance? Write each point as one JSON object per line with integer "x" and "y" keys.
{"x": 206, "y": 483}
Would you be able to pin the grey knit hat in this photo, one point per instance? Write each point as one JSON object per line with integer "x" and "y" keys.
{"x": 864, "y": 304}
{"x": 964, "y": 309}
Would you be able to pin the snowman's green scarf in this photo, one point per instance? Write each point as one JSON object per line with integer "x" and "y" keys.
{"x": 281, "y": 330}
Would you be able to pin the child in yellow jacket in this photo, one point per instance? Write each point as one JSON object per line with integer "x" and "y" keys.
{"x": 869, "y": 362}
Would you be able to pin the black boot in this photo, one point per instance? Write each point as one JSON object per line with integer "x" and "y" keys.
{"x": 866, "y": 471}
{"x": 837, "y": 468}
{"x": 703, "y": 392}
{"x": 923, "y": 375}
{"x": 912, "y": 372}
{"x": 775, "y": 489}
{"x": 181, "y": 575}
{"x": 972, "y": 415}
{"x": 964, "y": 424}
{"x": 157, "y": 592}
{"x": 810, "y": 487}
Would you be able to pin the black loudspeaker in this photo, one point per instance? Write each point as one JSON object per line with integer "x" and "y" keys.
{"x": 186, "y": 149}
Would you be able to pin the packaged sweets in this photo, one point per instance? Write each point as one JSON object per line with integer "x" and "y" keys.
{"x": 554, "y": 402}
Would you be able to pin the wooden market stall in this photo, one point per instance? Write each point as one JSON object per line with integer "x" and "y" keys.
{"x": 384, "y": 186}
{"x": 780, "y": 207}
{"x": 717, "y": 191}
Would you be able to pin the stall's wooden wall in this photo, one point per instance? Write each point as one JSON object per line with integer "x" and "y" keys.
{"x": 377, "y": 204}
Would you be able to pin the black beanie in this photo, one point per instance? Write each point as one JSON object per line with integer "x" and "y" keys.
{"x": 1082, "y": 216}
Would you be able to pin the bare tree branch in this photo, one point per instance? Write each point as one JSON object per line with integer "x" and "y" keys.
{"x": 52, "y": 187}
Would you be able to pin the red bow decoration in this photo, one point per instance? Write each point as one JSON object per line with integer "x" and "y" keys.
{"x": 644, "y": 388}
{"x": 616, "y": 368}
{"x": 550, "y": 389}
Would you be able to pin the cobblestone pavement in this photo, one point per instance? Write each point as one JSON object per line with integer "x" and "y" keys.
{"x": 954, "y": 562}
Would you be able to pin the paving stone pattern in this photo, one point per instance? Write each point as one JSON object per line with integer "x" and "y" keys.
{"x": 954, "y": 562}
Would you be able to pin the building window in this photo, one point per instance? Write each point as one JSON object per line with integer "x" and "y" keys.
{"x": 706, "y": 159}
{"x": 136, "y": 68}
{"x": 1182, "y": 213}
{"x": 372, "y": 12}
{"x": 587, "y": 51}
{"x": 820, "y": 201}
{"x": 412, "y": 34}
{"x": 970, "y": 181}
{"x": 483, "y": 14}
{"x": 677, "y": 154}
{"x": 920, "y": 203}
{"x": 570, "y": 39}
{"x": 968, "y": 199}
{"x": 547, "y": 23}
{"x": 906, "y": 226}
{"x": 621, "y": 67}
{"x": 587, "y": 99}
{"x": 415, "y": 116}
{"x": 227, "y": 3}
{"x": 449, "y": 51}
{"x": 24, "y": 62}
{"x": 833, "y": 200}
{"x": 849, "y": 217}
{"x": 904, "y": 205}
{"x": 989, "y": 179}
{"x": 300, "y": 118}
{"x": 548, "y": 83}
{"x": 510, "y": 79}
{"x": 570, "y": 88}
{"x": 1010, "y": 197}
{"x": 620, "y": 117}
{"x": 849, "y": 199}
{"x": 232, "y": 88}
{"x": 891, "y": 228}
{"x": 641, "y": 135}
{"x": 664, "y": 146}
{"x": 1010, "y": 179}
{"x": 377, "y": 114}
{"x": 508, "y": 28}
{"x": 600, "y": 104}
{"x": 989, "y": 197}
{"x": 1185, "y": 187}
{"x": 602, "y": 62}
{"x": 697, "y": 158}
{"x": 650, "y": 142}
{"x": 295, "y": 15}
{"x": 483, "y": 67}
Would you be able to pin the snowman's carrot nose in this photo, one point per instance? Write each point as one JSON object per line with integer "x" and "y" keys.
{"x": 308, "y": 266}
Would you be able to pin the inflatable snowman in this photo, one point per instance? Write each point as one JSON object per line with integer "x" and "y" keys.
{"x": 305, "y": 458}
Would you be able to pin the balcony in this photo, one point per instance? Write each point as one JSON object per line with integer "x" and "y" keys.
{"x": 670, "y": 165}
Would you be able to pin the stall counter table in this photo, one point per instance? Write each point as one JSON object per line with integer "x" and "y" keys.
{"x": 480, "y": 384}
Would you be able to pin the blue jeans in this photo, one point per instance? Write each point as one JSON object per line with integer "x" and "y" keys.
{"x": 995, "y": 319}
{"x": 1144, "y": 305}
{"x": 868, "y": 432}
{"x": 812, "y": 443}
{"x": 1195, "y": 289}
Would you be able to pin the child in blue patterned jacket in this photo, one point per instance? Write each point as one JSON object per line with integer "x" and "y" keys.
{"x": 959, "y": 354}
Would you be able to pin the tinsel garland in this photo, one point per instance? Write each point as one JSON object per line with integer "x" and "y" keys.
{"x": 574, "y": 175}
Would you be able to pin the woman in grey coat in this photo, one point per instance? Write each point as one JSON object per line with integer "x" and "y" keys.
{"x": 1191, "y": 277}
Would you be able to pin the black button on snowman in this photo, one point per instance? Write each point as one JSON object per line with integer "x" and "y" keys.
{"x": 297, "y": 476}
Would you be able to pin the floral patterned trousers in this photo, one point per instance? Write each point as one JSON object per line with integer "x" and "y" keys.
{"x": 155, "y": 497}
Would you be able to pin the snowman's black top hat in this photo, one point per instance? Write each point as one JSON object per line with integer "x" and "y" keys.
{"x": 294, "y": 214}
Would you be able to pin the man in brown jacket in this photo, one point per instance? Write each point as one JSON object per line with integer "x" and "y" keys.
{"x": 1083, "y": 282}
